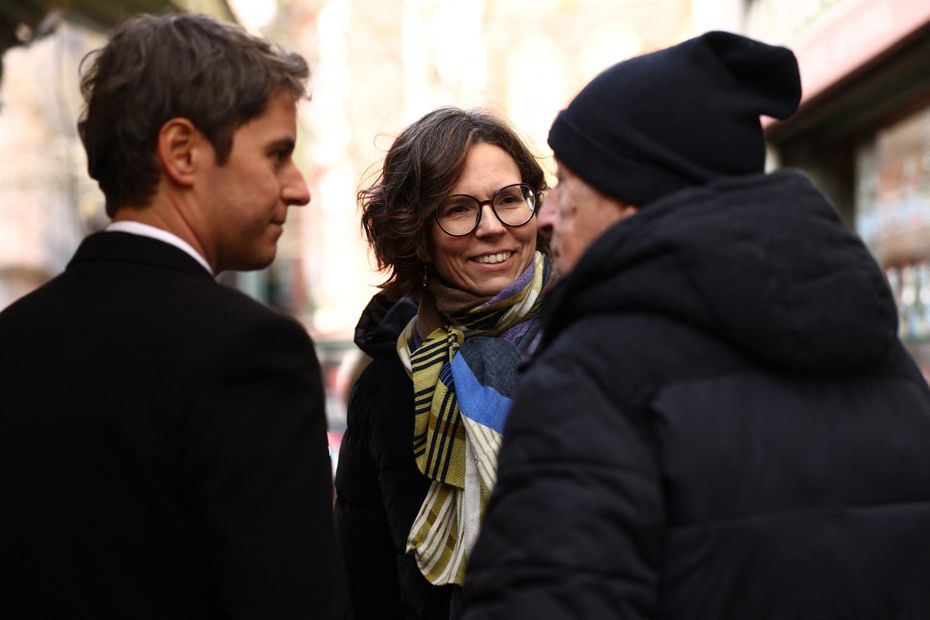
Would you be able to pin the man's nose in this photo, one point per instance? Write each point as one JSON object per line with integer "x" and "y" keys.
{"x": 546, "y": 216}
{"x": 295, "y": 191}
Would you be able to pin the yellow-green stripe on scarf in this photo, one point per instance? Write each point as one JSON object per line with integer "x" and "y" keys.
{"x": 458, "y": 454}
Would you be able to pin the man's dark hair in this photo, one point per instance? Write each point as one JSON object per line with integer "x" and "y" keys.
{"x": 185, "y": 65}
{"x": 419, "y": 171}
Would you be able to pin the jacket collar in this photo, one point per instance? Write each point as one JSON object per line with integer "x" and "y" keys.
{"x": 126, "y": 247}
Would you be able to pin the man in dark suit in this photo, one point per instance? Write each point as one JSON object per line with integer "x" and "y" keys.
{"x": 163, "y": 436}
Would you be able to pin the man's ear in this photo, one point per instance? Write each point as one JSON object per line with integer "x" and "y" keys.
{"x": 177, "y": 142}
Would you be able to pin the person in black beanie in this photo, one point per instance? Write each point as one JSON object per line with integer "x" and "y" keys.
{"x": 720, "y": 420}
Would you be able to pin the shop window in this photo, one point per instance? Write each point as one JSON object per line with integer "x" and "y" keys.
{"x": 893, "y": 218}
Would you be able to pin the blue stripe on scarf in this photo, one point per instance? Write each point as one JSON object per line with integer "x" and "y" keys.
{"x": 480, "y": 403}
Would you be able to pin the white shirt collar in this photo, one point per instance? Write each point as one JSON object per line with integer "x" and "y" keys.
{"x": 144, "y": 230}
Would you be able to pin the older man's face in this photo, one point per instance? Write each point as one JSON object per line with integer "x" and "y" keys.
{"x": 574, "y": 214}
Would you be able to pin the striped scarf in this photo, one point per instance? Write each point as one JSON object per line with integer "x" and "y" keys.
{"x": 464, "y": 373}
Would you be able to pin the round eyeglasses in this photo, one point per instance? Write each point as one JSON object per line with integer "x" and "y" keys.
{"x": 514, "y": 205}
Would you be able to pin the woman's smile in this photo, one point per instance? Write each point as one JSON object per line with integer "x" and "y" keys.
{"x": 493, "y": 259}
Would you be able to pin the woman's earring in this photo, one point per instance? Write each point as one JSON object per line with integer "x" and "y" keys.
{"x": 425, "y": 274}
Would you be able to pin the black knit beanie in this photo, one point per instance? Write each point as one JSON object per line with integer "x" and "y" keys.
{"x": 678, "y": 117}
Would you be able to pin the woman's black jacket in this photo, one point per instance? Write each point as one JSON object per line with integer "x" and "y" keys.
{"x": 379, "y": 489}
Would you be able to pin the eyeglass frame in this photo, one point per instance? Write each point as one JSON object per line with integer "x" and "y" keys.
{"x": 490, "y": 203}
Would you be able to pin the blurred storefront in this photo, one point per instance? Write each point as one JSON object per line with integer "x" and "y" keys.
{"x": 863, "y": 130}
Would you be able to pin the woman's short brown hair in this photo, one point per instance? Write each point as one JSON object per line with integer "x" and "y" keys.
{"x": 155, "y": 68}
{"x": 419, "y": 171}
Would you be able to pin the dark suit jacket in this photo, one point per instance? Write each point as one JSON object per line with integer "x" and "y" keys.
{"x": 162, "y": 447}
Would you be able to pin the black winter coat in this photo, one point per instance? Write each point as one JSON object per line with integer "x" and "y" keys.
{"x": 379, "y": 489}
{"x": 721, "y": 424}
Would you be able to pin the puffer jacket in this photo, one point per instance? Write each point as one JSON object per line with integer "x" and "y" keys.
{"x": 720, "y": 423}
{"x": 379, "y": 489}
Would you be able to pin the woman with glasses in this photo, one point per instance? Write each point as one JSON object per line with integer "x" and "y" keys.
{"x": 452, "y": 220}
